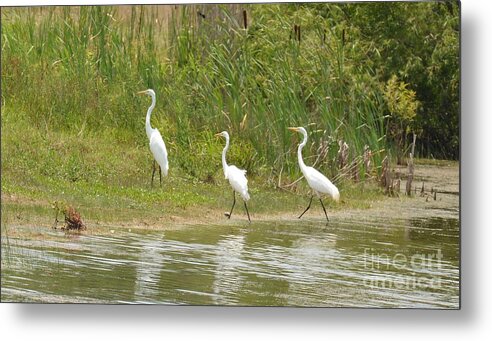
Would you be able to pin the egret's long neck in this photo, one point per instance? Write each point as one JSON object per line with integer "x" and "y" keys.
{"x": 148, "y": 128}
{"x": 224, "y": 163}
{"x": 302, "y": 165}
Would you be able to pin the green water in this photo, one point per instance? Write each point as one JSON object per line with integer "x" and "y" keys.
{"x": 347, "y": 263}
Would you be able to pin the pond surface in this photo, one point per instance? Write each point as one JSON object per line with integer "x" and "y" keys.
{"x": 366, "y": 262}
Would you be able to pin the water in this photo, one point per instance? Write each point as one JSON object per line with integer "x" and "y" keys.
{"x": 363, "y": 262}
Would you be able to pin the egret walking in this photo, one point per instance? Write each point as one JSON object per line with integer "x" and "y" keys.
{"x": 236, "y": 177}
{"x": 317, "y": 181}
{"x": 157, "y": 146}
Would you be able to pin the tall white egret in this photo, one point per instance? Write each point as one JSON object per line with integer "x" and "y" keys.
{"x": 156, "y": 143}
{"x": 317, "y": 181}
{"x": 236, "y": 177}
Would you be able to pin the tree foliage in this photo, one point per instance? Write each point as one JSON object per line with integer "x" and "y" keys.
{"x": 418, "y": 42}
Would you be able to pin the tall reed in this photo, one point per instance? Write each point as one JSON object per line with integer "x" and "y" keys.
{"x": 77, "y": 69}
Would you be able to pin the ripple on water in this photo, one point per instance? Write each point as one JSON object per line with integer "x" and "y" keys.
{"x": 350, "y": 263}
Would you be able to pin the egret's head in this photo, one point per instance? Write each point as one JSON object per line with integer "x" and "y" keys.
{"x": 298, "y": 130}
{"x": 223, "y": 134}
{"x": 149, "y": 92}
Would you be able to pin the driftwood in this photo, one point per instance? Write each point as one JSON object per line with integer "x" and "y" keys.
{"x": 392, "y": 186}
{"x": 73, "y": 220}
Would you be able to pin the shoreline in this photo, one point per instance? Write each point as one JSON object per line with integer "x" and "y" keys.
{"x": 20, "y": 213}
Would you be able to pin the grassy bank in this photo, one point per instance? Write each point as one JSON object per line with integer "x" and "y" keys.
{"x": 109, "y": 182}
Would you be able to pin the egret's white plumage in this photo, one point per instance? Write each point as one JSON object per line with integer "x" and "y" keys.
{"x": 238, "y": 181}
{"x": 156, "y": 143}
{"x": 158, "y": 149}
{"x": 236, "y": 176}
{"x": 317, "y": 181}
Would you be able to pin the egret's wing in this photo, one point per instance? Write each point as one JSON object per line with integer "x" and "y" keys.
{"x": 238, "y": 181}
{"x": 321, "y": 183}
{"x": 158, "y": 149}
{"x": 234, "y": 170}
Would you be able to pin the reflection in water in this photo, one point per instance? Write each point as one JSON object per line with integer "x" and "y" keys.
{"x": 366, "y": 263}
{"x": 148, "y": 268}
{"x": 228, "y": 278}
{"x": 314, "y": 257}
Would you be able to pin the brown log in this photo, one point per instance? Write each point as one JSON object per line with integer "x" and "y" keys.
{"x": 410, "y": 176}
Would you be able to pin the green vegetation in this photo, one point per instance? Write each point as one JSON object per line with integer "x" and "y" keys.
{"x": 110, "y": 182}
{"x": 403, "y": 108}
{"x": 419, "y": 44}
{"x": 73, "y": 129}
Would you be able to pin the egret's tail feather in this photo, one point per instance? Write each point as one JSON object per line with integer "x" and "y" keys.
{"x": 245, "y": 195}
{"x": 336, "y": 196}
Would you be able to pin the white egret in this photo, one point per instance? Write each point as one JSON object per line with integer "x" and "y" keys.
{"x": 156, "y": 143}
{"x": 317, "y": 181}
{"x": 236, "y": 177}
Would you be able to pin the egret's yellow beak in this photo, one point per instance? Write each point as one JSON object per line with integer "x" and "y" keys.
{"x": 218, "y": 134}
{"x": 293, "y": 129}
{"x": 142, "y": 92}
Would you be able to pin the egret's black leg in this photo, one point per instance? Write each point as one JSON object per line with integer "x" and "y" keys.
{"x": 153, "y": 172}
{"x": 246, "y": 206}
{"x": 326, "y": 215}
{"x": 233, "y": 203}
{"x": 160, "y": 176}
{"x": 309, "y": 206}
